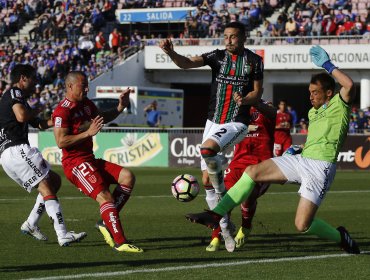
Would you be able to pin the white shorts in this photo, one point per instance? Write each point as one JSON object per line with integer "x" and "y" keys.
{"x": 225, "y": 135}
{"x": 25, "y": 165}
{"x": 314, "y": 176}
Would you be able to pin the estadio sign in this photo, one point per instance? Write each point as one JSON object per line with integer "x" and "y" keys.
{"x": 275, "y": 57}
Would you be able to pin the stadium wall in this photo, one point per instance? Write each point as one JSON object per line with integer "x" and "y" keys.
{"x": 284, "y": 65}
{"x": 179, "y": 148}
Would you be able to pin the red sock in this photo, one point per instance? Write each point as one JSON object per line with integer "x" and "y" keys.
{"x": 248, "y": 212}
{"x": 121, "y": 194}
{"x": 110, "y": 217}
{"x": 216, "y": 232}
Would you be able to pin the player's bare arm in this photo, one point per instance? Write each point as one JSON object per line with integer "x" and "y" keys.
{"x": 65, "y": 140}
{"x": 124, "y": 101}
{"x": 23, "y": 114}
{"x": 347, "y": 91}
{"x": 252, "y": 97}
{"x": 180, "y": 60}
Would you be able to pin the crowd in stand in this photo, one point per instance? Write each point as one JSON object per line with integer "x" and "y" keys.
{"x": 68, "y": 34}
{"x": 315, "y": 18}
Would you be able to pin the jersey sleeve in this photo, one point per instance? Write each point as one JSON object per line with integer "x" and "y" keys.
{"x": 258, "y": 68}
{"x": 61, "y": 117}
{"x": 211, "y": 58}
{"x": 17, "y": 96}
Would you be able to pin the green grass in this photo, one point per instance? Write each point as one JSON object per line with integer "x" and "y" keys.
{"x": 155, "y": 221}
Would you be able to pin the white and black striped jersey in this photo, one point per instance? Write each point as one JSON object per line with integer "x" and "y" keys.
{"x": 13, "y": 132}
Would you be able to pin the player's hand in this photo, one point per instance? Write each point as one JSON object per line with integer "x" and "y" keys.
{"x": 124, "y": 99}
{"x": 238, "y": 98}
{"x": 166, "y": 45}
{"x": 319, "y": 56}
{"x": 96, "y": 125}
{"x": 293, "y": 150}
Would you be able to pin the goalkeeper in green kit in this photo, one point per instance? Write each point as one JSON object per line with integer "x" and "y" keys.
{"x": 314, "y": 169}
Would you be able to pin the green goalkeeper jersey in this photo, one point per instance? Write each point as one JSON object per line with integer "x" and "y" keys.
{"x": 328, "y": 127}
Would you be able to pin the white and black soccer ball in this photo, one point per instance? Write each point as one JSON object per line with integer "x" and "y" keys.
{"x": 185, "y": 187}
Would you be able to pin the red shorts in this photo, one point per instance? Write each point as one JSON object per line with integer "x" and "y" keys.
{"x": 92, "y": 177}
{"x": 232, "y": 175}
{"x": 281, "y": 144}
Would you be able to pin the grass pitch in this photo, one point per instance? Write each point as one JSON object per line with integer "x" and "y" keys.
{"x": 175, "y": 248}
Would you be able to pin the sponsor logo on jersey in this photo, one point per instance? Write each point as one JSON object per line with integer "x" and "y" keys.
{"x": 58, "y": 122}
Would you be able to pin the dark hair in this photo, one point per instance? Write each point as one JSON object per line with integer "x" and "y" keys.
{"x": 283, "y": 100}
{"x": 21, "y": 70}
{"x": 237, "y": 25}
{"x": 327, "y": 82}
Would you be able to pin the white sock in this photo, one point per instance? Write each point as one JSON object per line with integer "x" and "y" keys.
{"x": 54, "y": 210}
{"x": 37, "y": 211}
{"x": 211, "y": 198}
{"x": 215, "y": 173}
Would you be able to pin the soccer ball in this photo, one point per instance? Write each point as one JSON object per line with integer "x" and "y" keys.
{"x": 185, "y": 187}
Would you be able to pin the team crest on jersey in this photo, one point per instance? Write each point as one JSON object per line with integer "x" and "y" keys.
{"x": 58, "y": 122}
{"x": 247, "y": 68}
{"x": 87, "y": 110}
{"x": 92, "y": 179}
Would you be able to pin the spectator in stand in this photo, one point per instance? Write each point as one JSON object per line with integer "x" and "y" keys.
{"x": 291, "y": 27}
{"x": 362, "y": 120}
{"x": 114, "y": 40}
{"x": 328, "y": 26}
{"x": 279, "y": 27}
{"x": 254, "y": 15}
{"x": 358, "y": 28}
{"x": 352, "y": 125}
{"x": 100, "y": 41}
{"x": 348, "y": 26}
{"x": 269, "y": 29}
{"x": 340, "y": 16}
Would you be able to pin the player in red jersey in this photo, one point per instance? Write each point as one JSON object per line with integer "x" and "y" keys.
{"x": 283, "y": 139}
{"x": 76, "y": 121}
{"x": 257, "y": 146}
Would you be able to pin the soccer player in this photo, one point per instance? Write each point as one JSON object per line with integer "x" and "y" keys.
{"x": 237, "y": 78}
{"x": 76, "y": 121}
{"x": 25, "y": 164}
{"x": 255, "y": 147}
{"x": 315, "y": 168}
{"x": 283, "y": 139}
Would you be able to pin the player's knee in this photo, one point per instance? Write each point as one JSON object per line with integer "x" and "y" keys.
{"x": 301, "y": 226}
{"x": 104, "y": 196}
{"x": 127, "y": 177}
{"x": 54, "y": 181}
{"x": 207, "y": 153}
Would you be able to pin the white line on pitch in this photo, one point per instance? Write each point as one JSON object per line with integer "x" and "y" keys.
{"x": 188, "y": 267}
{"x": 164, "y": 196}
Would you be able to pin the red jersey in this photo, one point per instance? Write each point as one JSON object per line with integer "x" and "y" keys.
{"x": 283, "y": 123}
{"x": 257, "y": 145}
{"x": 73, "y": 115}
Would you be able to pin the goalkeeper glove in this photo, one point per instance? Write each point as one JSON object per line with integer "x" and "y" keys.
{"x": 321, "y": 59}
{"x": 293, "y": 150}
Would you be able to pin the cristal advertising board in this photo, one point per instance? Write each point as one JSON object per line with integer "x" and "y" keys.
{"x": 126, "y": 149}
